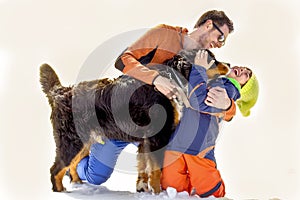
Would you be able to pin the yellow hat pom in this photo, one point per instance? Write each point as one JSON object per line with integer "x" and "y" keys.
{"x": 249, "y": 95}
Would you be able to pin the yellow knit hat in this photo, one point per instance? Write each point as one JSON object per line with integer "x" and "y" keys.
{"x": 249, "y": 95}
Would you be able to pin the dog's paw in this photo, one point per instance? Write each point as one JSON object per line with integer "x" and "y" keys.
{"x": 60, "y": 189}
{"x": 155, "y": 189}
{"x": 142, "y": 186}
{"x": 77, "y": 181}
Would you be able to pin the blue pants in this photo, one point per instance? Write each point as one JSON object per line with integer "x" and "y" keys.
{"x": 99, "y": 165}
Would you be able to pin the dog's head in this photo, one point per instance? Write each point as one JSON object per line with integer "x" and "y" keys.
{"x": 217, "y": 69}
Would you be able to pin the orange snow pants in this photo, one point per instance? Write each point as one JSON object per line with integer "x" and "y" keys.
{"x": 194, "y": 174}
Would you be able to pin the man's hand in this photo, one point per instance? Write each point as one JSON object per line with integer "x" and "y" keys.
{"x": 217, "y": 97}
{"x": 166, "y": 86}
{"x": 171, "y": 90}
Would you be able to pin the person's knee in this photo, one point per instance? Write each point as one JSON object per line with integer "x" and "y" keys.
{"x": 93, "y": 171}
{"x": 99, "y": 174}
{"x": 217, "y": 190}
{"x": 98, "y": 166}
{"x": 221, "y": 191}
{"x": 97, "y": 179}
{"x": 82, "y": 167}
{"x": 171, "y": 178}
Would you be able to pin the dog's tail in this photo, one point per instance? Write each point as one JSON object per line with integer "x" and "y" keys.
{"x": 49, "y": 81}
{"x": 48, "y": 78}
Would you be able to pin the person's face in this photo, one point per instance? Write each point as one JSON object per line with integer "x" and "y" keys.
{"x": 211, "y": 35}
{"x": 241, "y": 74}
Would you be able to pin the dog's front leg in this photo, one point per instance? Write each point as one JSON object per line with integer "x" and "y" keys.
{"x": 154, "y": 173}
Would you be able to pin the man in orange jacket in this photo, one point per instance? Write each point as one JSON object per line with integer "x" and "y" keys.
{"x": 163, "y": 42}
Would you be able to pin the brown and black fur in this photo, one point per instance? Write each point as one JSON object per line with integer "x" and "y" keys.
{"x": 81, "y": 113}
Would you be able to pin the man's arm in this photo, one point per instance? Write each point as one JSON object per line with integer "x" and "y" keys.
{"x": 217, "y": 97}
{"x": 151, "y": 47}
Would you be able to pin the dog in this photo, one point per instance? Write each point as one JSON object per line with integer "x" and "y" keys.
{"x": 91, "y": 111}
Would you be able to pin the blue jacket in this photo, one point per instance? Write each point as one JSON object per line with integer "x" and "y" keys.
{"x": 197, "y": 130}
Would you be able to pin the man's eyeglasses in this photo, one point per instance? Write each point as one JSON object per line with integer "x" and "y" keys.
{"x": 221, "y": 38}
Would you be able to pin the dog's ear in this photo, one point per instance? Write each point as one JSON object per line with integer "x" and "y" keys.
{"x": 218, "y": 70}
{"x": 211, "y": 57}
{"x": 180, "y": 64}
{"x": 211, "y": 54}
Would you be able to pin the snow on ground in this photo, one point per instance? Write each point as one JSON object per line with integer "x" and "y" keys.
{"x": 121, "y": 185}
{"x": 92, "y": 192}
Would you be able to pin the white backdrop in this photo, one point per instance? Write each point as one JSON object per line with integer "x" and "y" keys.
{"x": 258, "y": 156}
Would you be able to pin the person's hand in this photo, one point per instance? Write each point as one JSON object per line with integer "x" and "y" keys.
{"x": 201, "y": 59}
{"x": 217, "y": 97}
{"x": 171, "y": 90}
{"x": 166, "y": 86}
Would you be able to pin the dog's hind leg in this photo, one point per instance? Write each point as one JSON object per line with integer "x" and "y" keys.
{"x": 57, "y": 174}
{"x": 73, "y": 166}
{"x": 58, "y": 170}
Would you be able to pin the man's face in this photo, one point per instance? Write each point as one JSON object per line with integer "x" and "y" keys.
{"x": 210, "y": 37}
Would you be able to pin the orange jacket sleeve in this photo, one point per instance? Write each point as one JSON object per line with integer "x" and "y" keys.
{"x": 229, "y": 114}
{"x": 167, "y": 40}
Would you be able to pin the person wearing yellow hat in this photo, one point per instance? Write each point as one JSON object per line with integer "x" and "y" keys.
{"x": 249, "y": 89}
{"x": 189, "y": 161}
{"x": 249, "y": 95}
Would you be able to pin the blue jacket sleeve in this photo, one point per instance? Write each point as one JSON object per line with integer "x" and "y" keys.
{"x": 197, "y": 87}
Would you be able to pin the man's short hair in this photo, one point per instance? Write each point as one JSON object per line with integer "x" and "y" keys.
{"x": 218, "y": 17}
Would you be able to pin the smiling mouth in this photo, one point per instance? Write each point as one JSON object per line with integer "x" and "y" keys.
{"x": 236, "y": 72}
